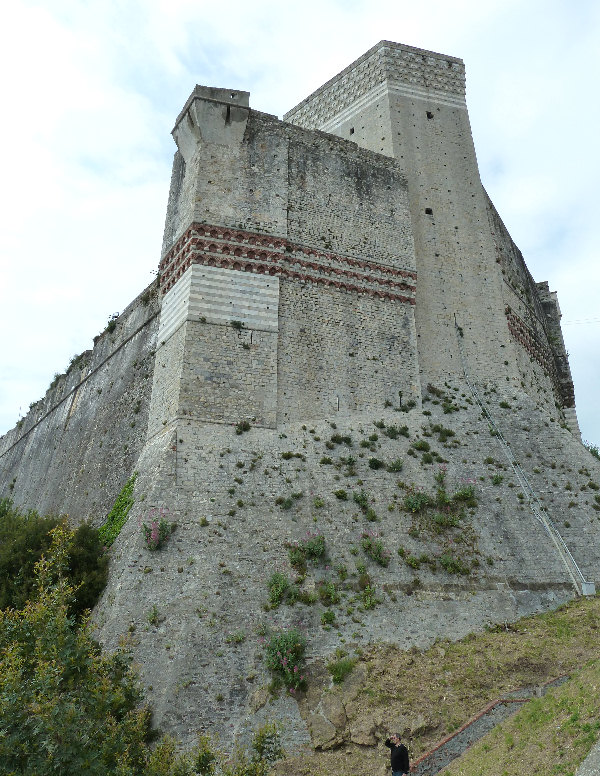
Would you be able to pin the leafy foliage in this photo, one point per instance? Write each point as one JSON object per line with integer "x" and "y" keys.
{"x": 310, "y": 548}
{"x": 278, "y": 587}
{"x": 285, "y": 657}
{"x": 65, "y": 708}
{"x": 374, "y": 548}
{"x": 117, "y": 516}
{"x": 23, "y": 540}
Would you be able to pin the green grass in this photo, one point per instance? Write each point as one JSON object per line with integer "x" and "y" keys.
{"x": 449, "y": 683}
{"x": 549, "y": 735}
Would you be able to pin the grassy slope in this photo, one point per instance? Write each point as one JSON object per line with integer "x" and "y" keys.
{"x": 435, "y": 691}
{"x": 550, "y": 735}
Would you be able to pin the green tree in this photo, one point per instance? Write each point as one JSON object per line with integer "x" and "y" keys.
{"x": 65, "y": 708}
{"x": 24, "y": 537}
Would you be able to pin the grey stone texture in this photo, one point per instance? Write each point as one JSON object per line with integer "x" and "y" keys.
{"x": 75, "y": 449}
{"x": 314, "y": 285}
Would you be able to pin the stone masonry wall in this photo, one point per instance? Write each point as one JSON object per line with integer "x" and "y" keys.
{"x": 76, "y": 447}
{"x": 340, "y": 353}
{"x": 417, "y": 69}
{"x": 299, "y": 220}
{"x": 410, "y": 104}
{"x": 533, "y": 320}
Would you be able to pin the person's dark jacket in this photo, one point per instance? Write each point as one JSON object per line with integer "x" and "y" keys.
{"x": 399, "y": 756}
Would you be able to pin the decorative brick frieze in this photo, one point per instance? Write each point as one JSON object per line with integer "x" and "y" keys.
{"x": 264, "y": 254}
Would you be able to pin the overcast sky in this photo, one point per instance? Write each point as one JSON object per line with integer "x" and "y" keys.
{"x": 90, "y": 90}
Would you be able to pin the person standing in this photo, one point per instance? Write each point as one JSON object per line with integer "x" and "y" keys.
{"x": 399, "y": 756}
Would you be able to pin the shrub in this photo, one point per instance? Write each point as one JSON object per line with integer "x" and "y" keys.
{"x": 466, "y": 495}
{"x": 338, "y": 439}
{"x": 374, "y": 548}
{"x": 361, "y": 499}
{"x": 453, "y": 565}
{"x": 157, "y": 533}
{"x": 376, "y": 463}
{"x": 443, "y": 433}
{"x": 328, "y": 617}
{"x": 341, "y": 494}
{"x": 593, "y": 449}
{"x": 285, "y": 657}
{"x": 278, "y": 585}
{"x": 328, "y": 592}
{"x": 368, "y": 598}
{"x": 310, "y": 548}
{"x": 446, "y": 519}
{"x": 115, "y": 520}
{"x": 416, "y": 501}
{"x": 497, "y": 479}
{"x": 24, "y": 538}
{"x": 242, "y": 427}
{"x": 395, "y": 466}
{"x": 421, "y": 444}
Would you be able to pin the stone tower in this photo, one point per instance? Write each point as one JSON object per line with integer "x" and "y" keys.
{"x": 409, "y": 104}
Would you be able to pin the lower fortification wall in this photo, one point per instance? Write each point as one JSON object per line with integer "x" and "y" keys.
{"x": 77, "y": 446}
{"x": 541, "y": 358}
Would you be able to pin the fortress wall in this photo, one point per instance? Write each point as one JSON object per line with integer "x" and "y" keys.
{"x": 340, "y": 352}
{"x": 533, "y": 319}
{"x": 77, "y": 447}
{"x": 457, "y": 275}
{"x": 211, "y": 579}
{"x": 347, "y": 201}
{"x": 410, "y": 104}
{"x": 304, "y": 243}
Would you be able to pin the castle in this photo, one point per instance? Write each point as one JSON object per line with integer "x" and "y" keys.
{"x": 329, "y": 269}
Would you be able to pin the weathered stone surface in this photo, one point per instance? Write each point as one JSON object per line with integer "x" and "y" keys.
{"x": 332, "y": 707}
{"x": 323, "y": 733}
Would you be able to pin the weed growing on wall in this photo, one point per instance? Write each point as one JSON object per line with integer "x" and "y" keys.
{"x": 374, "y": 548}
{"x": 117, "y": 516}
{"x": 341, "y": 667}
{"x": 284, "y": 656}
{"x": 278, "y": 585}
{"x": 443, "y": 517}
{"x": 157, "y": 533}
{"x": 311, "y": 548}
